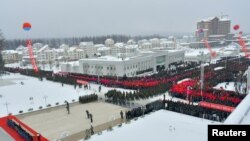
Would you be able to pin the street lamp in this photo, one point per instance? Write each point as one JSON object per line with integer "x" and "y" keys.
{"x": 188, "y": 92}
{"x": 45, "y": 98}
{"x": 202, "y": 79}
{"x": 7, "y": 109}
{"x": 31, "y": 101}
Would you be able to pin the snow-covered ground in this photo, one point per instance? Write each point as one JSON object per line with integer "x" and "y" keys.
{"x": 230, "y": 86}
{"x": 46, "y": 67}
{"x": 218, "y": 68}
{"x": 183, "y": 80}
{"x": 159, "y": 126}
{"x": 35, "y": 93}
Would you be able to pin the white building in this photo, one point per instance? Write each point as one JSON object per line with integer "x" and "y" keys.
{"x": 104, "y": 51}
{"x": 129, "y": 50}
{"x": 109, "y": 42}
{"x": 11, "y": 56}
{"x": 75, "y": 53}
{"x": 89, "y": 49}
{"x": 143, "y": 62}
{"x": 197, "y": 56}
{"x": 131, "y": 42}
{"x": 45, "y": 55}
{"x": 155, "y": 42}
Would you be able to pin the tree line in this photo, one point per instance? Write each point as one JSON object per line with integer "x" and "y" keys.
{"x": 56, "y": 42}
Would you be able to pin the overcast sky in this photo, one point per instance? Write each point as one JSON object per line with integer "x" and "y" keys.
{"x": 67, "y": 18}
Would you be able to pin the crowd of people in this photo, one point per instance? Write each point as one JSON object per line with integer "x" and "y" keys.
{"x": 139, "y": 111}
{"x": 88, "y": 98}
{"x": 197, "y": 111}
{"x": 166, "y": 80}
{"x": 24, "y": 134}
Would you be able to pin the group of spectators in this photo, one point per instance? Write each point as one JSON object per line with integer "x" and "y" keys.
{"x": 24, "y": 134}
{"x": 139, "y": 111}
{"x": 196, "y": 110}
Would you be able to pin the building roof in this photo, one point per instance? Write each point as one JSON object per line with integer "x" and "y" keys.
{"x": 43, "y": 48}
{"x": 9, "y": 52}
{"x": 159, "y": 125}
{"x": 211, "y": 18}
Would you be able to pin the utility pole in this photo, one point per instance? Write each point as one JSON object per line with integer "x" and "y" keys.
{"x": 202, "y": 74}
{"x": 7, "y": 109}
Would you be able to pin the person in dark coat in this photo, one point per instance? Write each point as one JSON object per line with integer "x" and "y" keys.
{"x": 91, "y": 117}
{"x": 92, "y": 130}
{"x": 67, "y": 106}
{"x": 87, "y": 112}
{"x": 121, "y": 113}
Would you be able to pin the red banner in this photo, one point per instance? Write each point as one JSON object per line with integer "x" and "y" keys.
{"x": 82, "y": 82}
{"x": 216, "y": 106}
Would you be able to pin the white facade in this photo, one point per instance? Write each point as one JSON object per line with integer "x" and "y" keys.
{"x": 144, "y": 62}
{"x": 104, "y": 51}
{"x": 75, "y": 53}
{"x": 109, "y": 42}
{"x": 11, "y": 56}
{"x": 197, "y": 57}
{"x": 89, "y": 49}
{"x": 155, "y": 42}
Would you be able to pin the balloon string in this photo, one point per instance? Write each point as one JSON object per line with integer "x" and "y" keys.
{"x": 31, "y": 55}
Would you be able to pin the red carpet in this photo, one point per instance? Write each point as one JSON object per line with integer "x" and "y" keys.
{"x": 13, "y": 133}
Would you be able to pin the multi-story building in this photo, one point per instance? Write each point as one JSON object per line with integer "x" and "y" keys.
{"x": 155, "y": 42}
{"x": 75, "y": 53}
{"x": 109, "y": 42}
{"x": 104, "y": 51}
{"x": 89, "y": 49}
{"x": 149, "y": 61}
{"x": 213, "y": 28}
{"x": 11, "y": 56}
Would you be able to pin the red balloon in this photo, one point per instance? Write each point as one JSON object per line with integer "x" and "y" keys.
{"x": 26, "y": 26}
{"x": 236, "y": 27}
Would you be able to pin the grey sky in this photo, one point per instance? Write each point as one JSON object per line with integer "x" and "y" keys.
{"x": 67, "y": 18}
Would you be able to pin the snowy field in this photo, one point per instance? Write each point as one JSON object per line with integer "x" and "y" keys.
{"x": 159, "y": 126}
{"x": 35, "y": 93}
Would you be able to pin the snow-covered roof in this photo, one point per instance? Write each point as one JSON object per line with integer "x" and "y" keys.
{"x": 211, "y": 18}
{"x": 218, "y": 68}
{"x": 43, "y": 48}
{"x": 9, "y": 52}
{"x": 119, "y": 44}
{"x": 105, "y": 58}
{"x": 59, "y": 50}
{"x": 73, "y": 63}
{"x": 217, "y": 36}
{"x": 158, "y": 126}
{"x": 64, "y": 46}
{"x": 71, "y": 49}
{"x": 131, "y": 46}
{"x": 86, "y": 44}
{"x": 99, "y": 45}
{"x": 103, "y": 48}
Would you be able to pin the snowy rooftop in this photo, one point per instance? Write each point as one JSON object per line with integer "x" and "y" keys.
{"x": 211, "y": 18}
{"x": 159, "y": 126}
{"x": 106, "y": 58}
{"x": 103, "y": 48}
{"x": 9, "y": 52}
{"x": 74, "y": 63}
